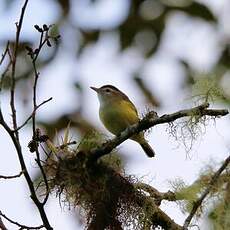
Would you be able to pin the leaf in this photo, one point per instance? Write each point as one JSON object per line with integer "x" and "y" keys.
{"x": 66, "y": 134}
{"x": 51, "y": 146}
{"x": 199, "y": 10}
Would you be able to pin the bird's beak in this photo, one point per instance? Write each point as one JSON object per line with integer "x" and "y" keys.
{"x": 95, "y": 89}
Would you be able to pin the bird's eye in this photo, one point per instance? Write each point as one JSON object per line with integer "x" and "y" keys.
{"x": 107, "y": 90}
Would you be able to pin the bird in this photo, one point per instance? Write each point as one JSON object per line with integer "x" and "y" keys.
{"x": 117, "y": 113}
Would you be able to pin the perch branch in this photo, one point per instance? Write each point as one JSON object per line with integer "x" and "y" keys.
{"x": 199, "y": 201}
{"x": 151, "y": 120}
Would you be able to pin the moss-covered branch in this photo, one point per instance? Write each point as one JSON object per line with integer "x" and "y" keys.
{"x": 155, "y": 194}
{"x": 108, "y": 198}
{"x": 200, "y": 200}
{"x": 151, "y": 120}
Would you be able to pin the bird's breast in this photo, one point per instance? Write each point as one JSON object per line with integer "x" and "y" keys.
{"x": 118, "y": 116}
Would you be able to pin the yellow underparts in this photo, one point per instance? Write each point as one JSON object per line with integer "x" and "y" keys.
{"x": 117, "y": 116}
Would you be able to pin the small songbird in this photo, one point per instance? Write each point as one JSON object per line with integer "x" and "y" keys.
{"x": 117, "y": 113}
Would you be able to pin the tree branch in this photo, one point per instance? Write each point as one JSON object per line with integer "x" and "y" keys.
{"x": 154, "y": 193}
{"x": 26, "y": 173}
{"x": 14, "y": 135}
{"x": 158, "y": 217}
{"x": 11, "y": 177}
{"x": 151, "y": 120}
{"x": 13, "y": 61}
{"x": 37, "y": 107}
{"x": 199, "y": 201}
{"x": 4, "y": 53}
{"x": 21, "y": 226}
{"x": 36, "y": 76}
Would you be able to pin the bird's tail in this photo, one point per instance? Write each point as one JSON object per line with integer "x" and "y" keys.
{"x": 148, "y": 149}
{"x": 139, "y": 138}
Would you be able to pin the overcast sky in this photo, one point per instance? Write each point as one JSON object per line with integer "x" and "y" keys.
{"x": 103, "y": 64}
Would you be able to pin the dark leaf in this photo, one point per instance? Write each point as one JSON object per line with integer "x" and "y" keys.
{"x": 198, "y": 10}
{"x": 45, "y": 27}
{"x": 38, "y": 28}
{"x": 48, "y": 43}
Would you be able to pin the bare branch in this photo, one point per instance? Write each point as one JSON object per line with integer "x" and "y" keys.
{"x": 4, "y": 53}
{"x": 14, "y": 134}
{"x": 3, "y": 75}
{"x": 34, "y": 56}
{"x": 151, "y": 120}
{"x": 27, "y": 120}
{"x": 11, "y": 177}
{"x": 199, "y": 201}
{"x": 26, "y": 174}
{"x": 14, "y": 60}
{"x": 21, "y": 226}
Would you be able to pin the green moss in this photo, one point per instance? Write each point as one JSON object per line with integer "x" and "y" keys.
{"x": 220, "y": 216}
{"x": 90, "y": 140}
{"x": 207, "y": 88}
{"x": 101, "y": 188}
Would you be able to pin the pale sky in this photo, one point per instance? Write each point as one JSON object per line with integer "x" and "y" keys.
{"x": 102, "y": 64}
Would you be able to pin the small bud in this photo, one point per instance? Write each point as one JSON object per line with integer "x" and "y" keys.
{"x": 48, "y": 43}
{"x": 38, "y": 28}
{"x": 45, "y": 27}
{"x": 29, "y": 49}
{"x": 33, "y": 145}
{"x": 43, "y": 138}
{"x": 56, "y": 38}
{"x": 36, "y": 51}
{"x": 31, "y": 54}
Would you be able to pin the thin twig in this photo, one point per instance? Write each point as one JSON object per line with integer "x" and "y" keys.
{"x": 26, "y": 174}
{"x": 14, "y": 60}
{"x": 149, "y": 121}
{"x": 36, "y": 76}
{"x": 5, "y": 52}
{"x": 199, "y": 201}
{"x": 11, "y": 177}
{"x": 27, "y": 120}
{"x": 4, "y": 74}
{"x": 14, "y": 135}
{"x": 21, "y": 226}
